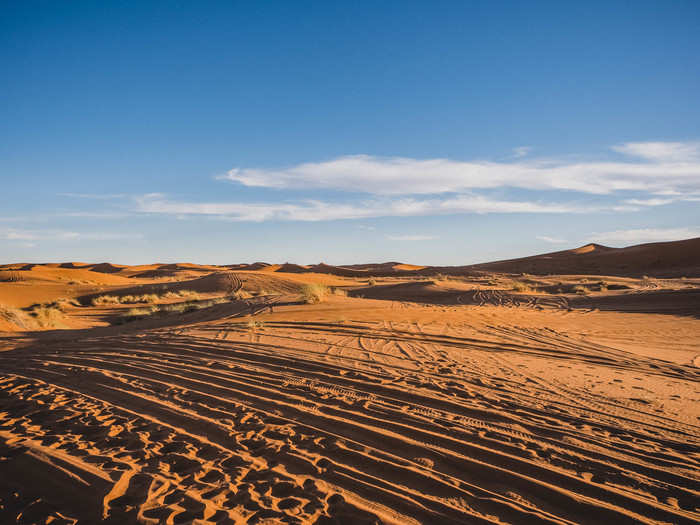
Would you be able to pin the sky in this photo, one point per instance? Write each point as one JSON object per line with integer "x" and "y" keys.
{"x": 345, "y": 132}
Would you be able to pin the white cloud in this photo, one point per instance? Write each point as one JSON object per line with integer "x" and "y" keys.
{"x": 96, "y": 196}
{"x": 521, "y": 151}
{"x": 552, "y": 240}
{"x": 314, "y": 210}
{"x": 662, "y": 151}
{"x": 658, "y": 167}
{"x": 12, "y": 234}
{"x": 649, "y": 202}
{"x": 410, "y": 237}
{"x": 645, "y": 235}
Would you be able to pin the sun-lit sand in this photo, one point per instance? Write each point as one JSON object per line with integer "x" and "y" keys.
{"x": 562, "y": 388}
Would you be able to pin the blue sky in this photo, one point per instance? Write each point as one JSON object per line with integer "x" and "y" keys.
{"x": 426, "y": 132}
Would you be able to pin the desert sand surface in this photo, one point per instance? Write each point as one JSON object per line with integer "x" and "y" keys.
{"x": 562, "y": 388}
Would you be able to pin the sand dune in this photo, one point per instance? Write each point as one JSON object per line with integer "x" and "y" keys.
{"x": 661, "y": 259}
{"x": 412, "y": 399}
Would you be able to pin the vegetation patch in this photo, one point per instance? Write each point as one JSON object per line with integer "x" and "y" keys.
{"x": 314, "y": 293}
{"x": 13, "y": 316}
{"x": 137, "y": 314}
{"x": 521, "y": 287}
{"x": 149, "y": 298}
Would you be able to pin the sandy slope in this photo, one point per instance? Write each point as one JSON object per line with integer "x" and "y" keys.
{"x": 661, "y": 259}
{"x": 409, "y": 401}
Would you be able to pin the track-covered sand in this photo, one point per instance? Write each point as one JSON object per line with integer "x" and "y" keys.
{"x": 354, "y": 411}
{"x": 490, "y": 398}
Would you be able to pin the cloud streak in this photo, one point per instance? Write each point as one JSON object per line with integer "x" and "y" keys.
{"x": 643, "y": 235}
{"x": 551, "y": 240}
{"x": 411, "y": 237}
{"x": 14, "y": 234}
{"x": 315, "y": 210}
{"x": 648, "y": 167}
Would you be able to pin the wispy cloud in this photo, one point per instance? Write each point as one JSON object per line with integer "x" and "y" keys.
{"x": 652, "y": 167}
{"x": 649, "y": 202}
{"x": 410, "y": 237}
{"x": 14, "y": 234}
{"x": 552, "y": 240}
{"x": 95, "y": 196}
{"x": 662, "y": 151}
{"x": 644, "y": 235}
{"x": 521, "y": 151}
{"x": 314, "y": 210}
{"x": 93, "y": 214}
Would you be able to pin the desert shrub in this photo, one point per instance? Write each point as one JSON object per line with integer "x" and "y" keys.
{"x": 191, "y": 306}
{"x": 103, "y": 300}
{"x": 314, "y": 293}
{"x": 62, "y": 303}
{"x": 519, "y": 286}
{"x": 190, "y": 295}
{"x": 149, "y": 298}
{"x": 372, "y": 281}
{"x": 180, "y": 308}
{"x": 47, "y": 315}
{"x": 13, "y": 315}
{"x": 135, "y": 314}
{"x": 580, "y": 290}
{"x": 338, "y": 291}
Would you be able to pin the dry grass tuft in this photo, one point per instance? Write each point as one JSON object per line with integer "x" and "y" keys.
{"x": 188, "y": 295}
{"x": 520, "y": 287}
{"x": 149, "y": 298}
{"x": 314, "y": 293}
{"x": 48, "y": 315}
{"x": 13, "y": 315}
{"x": 136, "y": 314}
{"x": 338, "y": 291}
{"x": 104, "y": 300}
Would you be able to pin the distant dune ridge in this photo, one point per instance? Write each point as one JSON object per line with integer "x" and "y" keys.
{"x": 660, "y": 259}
